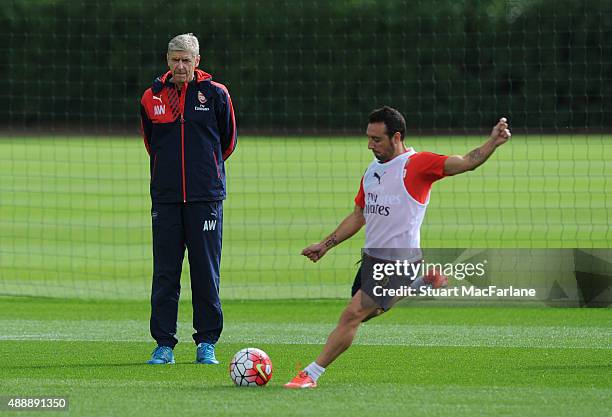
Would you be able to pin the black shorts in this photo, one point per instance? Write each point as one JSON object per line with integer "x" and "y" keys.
{"x": 364, "y": 281}
{"x": 356, "y": 283}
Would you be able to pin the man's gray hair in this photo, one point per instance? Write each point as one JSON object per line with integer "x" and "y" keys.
{"x": 186, "y": 42}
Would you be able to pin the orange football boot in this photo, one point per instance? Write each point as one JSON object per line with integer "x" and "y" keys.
{"x": 302, "y": 380}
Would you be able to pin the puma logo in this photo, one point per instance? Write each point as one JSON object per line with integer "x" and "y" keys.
{"x": 379, "y": 177}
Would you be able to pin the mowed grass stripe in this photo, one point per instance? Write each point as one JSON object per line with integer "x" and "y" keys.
{"x": 383, "y": 364}
{"x": 389, "y": 399}
{"x": 313, "y": 311}
{"x": 542, "y": 337}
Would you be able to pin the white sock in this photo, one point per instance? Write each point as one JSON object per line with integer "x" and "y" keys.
{"x": 314, "y": 371}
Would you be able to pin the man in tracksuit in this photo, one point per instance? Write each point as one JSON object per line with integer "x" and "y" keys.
{"x": 189, "y": 130}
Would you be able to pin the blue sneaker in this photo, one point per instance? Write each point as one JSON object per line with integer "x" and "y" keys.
{"x": 161, "y": 355}
{"x": 206, "y": 354}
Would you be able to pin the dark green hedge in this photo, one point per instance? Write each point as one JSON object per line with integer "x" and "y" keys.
{"x": 295, "y": 66}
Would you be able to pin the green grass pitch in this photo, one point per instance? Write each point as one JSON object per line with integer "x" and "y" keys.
{"x": 75, "y": 266}
{"x": 74, "y": 212}
{"x": 414, "y": 361}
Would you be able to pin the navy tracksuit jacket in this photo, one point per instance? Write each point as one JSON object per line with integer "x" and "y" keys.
{"x": 188, "y": 136}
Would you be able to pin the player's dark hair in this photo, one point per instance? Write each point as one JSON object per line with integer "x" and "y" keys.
{"x": 393, "y": 120}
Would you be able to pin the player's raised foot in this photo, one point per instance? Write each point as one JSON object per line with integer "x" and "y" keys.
{"x": 161, "y": 355}
{"x": 302, "y": 380}
{"x": 205, "y": 354}
{"x": 436, "y": 280}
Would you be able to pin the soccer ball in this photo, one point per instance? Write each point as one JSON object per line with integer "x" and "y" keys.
{"x": 250, "y": 367}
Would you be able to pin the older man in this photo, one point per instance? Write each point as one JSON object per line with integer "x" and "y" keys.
{"x": 189, "y": 130}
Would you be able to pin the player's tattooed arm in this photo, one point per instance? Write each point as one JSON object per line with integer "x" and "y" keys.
{"x": 476, "y": 156}
{"x": 458, "y": 164}
{"x": 331, "y": 241}
{"x": 347, "y": 228}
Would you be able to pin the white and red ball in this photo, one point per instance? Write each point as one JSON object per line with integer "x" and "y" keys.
{"x": 250, "y": 367}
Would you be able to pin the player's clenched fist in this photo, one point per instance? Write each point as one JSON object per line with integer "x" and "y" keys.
{"x": 501, "y": 133}
{"x": 315, "y": 251}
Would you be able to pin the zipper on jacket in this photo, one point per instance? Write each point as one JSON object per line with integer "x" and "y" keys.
{"x": 183, "y": 156}
{"x": 182, "y": 104}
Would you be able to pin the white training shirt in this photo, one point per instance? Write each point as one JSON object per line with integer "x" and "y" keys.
{"x": 394, "y": 196}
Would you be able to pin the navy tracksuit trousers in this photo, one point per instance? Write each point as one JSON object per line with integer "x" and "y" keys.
{"x": 197, "y": 226}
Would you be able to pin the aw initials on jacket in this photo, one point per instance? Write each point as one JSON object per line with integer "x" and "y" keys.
{"x": 188, "y": 135}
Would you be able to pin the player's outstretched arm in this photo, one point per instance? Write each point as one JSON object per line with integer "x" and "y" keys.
{"x": 349, "y": 226}
{"x": 457, "y": 164}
